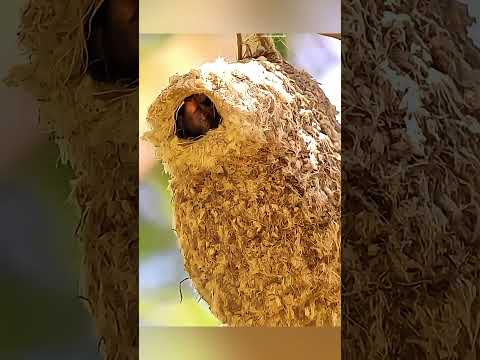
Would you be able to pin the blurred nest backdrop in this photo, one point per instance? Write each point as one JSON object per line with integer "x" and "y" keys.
{"x": 411, "y": 180}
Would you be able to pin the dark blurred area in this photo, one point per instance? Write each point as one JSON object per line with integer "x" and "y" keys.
{"x": 42, "y": 315}
{"x": 410, "y": 179}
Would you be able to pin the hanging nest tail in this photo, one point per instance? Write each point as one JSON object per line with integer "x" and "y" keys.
{"x": 257, "y": 196}
{"x": 94, "y": 123}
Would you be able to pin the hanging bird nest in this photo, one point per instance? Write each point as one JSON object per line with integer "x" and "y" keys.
{"x": 257, "y": 197}
{"x": 95, "y": 126}
{"x": 411, "y": 175}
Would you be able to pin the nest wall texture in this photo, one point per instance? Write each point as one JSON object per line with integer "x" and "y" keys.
{"x": 257, "y": 200}
{"x": 96, "y": 129}
{"x": 411, "y": 181}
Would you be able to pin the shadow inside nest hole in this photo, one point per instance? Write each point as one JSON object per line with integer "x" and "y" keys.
{"x": 195, "y": 117}
{"x": 112, "y": 42}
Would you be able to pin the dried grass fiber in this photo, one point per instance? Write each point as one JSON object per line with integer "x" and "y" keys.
{"x": 411, "y": 181}
{"x": 257, "y": 200}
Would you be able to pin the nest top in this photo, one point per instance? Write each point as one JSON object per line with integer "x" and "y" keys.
{"x": 259, "y": 105}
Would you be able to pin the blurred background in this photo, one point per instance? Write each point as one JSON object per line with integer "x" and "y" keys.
{"x": 41, "y": 315}
{"x": 218, "y": 16}
{"x": 161, "y": 264}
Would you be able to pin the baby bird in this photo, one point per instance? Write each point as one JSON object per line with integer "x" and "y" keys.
{"x": 196, "y": 117}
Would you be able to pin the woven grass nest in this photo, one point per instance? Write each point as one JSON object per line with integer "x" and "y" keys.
{"x": 257, "y": 199}
{"x": 95, "y": 125}
{"x": 411, "y": 175}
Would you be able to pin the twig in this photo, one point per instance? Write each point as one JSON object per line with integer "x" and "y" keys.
{"x": 180, "y": 288}
{"x": 239, "y": 47}
{"x": 333, "y": 35}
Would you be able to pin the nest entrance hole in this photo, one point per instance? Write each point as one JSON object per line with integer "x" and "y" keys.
{"x": 196, "y": 116}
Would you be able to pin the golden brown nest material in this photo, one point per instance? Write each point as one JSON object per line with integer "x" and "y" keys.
{"x": 411, "y": 181}
{"x": 257, "y": 200}
{"x": 95, "y": 127}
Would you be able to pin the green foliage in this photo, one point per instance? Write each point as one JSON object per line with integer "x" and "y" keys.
{"x": 154, "y": 238}
{"x": 37, "y": 311}
{"x": 173, "y": 313}
{"x": 163, "y": 307}
{"x": 280, "y": 40}
{"x": 151, "y": 43}
{"x": 157, "y": 236}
